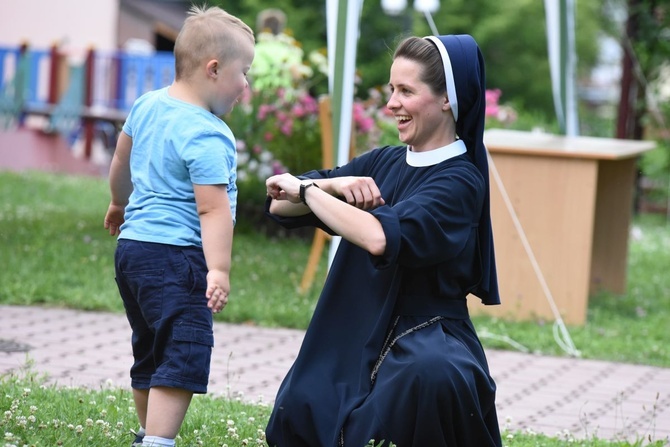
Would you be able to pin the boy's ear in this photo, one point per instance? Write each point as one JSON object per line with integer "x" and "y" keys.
{"x": 213, "y": 68}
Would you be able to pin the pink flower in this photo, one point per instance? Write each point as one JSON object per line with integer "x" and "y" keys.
{"x": 286, "y": 128}
{"x": 363, "y": 122}
{"x": 264, "y": 110}
{"x": 277, "y": 168}
{"x": 492, "y": 97}
{"x": 268, "y": 136}
{"x": 310, "y": 104}
{"x": 298, "y": 111}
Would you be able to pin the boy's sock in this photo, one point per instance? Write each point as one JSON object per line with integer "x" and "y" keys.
{"x": 139, "y": 435}
{"x": 157, "y": 441}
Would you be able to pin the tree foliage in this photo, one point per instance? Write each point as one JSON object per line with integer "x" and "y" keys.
{"x": 512, "y": 36}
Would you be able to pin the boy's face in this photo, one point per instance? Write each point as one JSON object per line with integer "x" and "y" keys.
{"x": 232, "y": 79}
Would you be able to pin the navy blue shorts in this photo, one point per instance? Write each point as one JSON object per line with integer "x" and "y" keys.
{"x": 163, "y": 291}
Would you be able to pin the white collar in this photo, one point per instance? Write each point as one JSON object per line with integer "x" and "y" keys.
{"x": 435, "y": 156}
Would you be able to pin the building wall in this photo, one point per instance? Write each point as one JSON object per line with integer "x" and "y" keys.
{"x": 132, "y": 26}
{"x": 76, "y": 24}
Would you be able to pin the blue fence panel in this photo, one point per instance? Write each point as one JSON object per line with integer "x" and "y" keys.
{"x": 119, "y": 78}
{"x": 37, "y": 85}
{"x": 9, "y": 61}
{"x": 139, "y": 74}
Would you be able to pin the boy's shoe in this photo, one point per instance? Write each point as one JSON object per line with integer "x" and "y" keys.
{"x": 138, "y": 440}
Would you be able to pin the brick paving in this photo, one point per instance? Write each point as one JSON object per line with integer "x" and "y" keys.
{"x": 555, "y": 396}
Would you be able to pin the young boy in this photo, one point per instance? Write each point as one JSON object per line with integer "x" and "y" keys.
{"x": 173, "y": 201}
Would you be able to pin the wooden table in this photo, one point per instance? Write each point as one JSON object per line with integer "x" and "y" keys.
{"x": 573, "y": 198}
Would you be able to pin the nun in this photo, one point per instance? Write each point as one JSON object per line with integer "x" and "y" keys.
{"x": 391, "y": 354}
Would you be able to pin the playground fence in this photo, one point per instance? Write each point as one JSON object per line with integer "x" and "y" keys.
{"x": 76, "y": 96}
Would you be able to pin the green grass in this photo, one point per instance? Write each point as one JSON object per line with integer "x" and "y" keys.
{"x": 55, "y": 252}
{"x": 40, "y": 415}
{"x": 35, "y": 414}
{"x": 630, "y": 328}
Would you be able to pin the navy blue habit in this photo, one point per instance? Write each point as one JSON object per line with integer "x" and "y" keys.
{"x": 390, "y": 353}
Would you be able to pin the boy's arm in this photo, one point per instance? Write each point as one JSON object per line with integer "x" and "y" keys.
{"x": 120, "y": 184}
{"x": 216, "y": 222}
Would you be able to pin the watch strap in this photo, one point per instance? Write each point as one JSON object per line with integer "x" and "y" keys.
{"x": 303, "y": 187}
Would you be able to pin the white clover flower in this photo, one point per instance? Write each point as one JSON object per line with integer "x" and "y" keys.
{"x": 89, "y": 422}
{"x": 111, "y": 398}
{"x": 21, "y": 421}
{"x": 33, "y": 409}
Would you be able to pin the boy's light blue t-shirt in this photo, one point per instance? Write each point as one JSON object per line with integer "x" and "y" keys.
{"x": 175, "y": 145}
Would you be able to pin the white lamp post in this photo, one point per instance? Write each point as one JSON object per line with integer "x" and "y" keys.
{"x": 427, "y": 7}
{"x": 394, "y": 7}
{"x": 424, "y": 6}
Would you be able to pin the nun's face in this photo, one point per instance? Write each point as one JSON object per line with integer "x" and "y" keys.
{"x": 423, "y": 118}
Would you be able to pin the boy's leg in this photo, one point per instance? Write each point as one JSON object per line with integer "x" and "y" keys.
{"x": 141, "y": 398}
{"x": 166, "y": 410}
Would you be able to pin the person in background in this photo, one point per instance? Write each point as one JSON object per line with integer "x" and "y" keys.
{"x": 173, "y": 203}
{"x": 391, "y": 353}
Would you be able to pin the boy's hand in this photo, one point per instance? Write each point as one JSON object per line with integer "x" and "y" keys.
{"x": 218, "y": 288}
{"x": 114, "y": 219}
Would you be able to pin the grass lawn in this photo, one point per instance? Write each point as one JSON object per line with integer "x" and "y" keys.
{"x": 55, "y": 252}
{"x": 39, "y": 415}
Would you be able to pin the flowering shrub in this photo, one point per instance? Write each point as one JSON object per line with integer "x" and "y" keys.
{"x": 277, "y": 123}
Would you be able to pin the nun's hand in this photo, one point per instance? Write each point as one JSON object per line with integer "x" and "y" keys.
{"x": 283, "y": 187}
{"x": 361, "y": 192}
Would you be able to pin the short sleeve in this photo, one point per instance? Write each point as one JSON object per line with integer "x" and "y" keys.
{"x": 209, "y": 159}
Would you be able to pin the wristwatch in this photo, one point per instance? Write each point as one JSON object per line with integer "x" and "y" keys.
{"x": 303, "y": 187}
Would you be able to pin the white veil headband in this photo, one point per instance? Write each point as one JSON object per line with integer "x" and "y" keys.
{"x": 448, "y": 74}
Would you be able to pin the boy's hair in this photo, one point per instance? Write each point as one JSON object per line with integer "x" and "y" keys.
{"x": 208, "y": 33}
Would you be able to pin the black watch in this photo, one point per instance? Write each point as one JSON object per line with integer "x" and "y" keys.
{"x": 303, "y": 187}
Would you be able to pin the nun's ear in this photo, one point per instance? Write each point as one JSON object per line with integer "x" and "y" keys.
{"x": 446, "y": 105}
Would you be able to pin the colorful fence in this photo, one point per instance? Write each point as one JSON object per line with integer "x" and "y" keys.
{"x": 75, "y": 96}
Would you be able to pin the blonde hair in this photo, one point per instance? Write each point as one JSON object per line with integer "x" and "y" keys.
{"x": 208, "y": 33}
